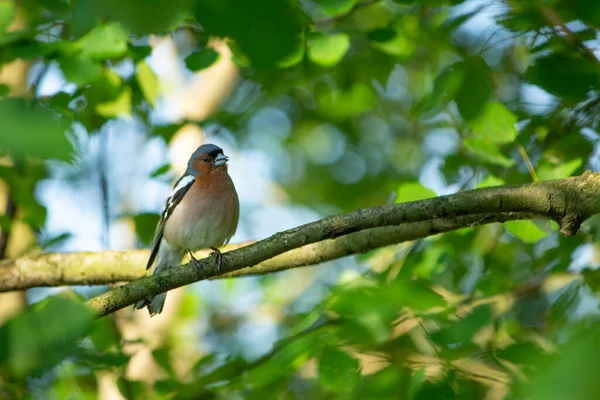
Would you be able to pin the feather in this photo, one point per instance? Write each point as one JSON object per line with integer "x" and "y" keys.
{"x": 180, "y": 188}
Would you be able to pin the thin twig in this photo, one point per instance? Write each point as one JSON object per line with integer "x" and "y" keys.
{"x": 9, "y": 214}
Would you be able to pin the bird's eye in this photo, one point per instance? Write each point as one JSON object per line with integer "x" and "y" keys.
{"x": 206, "y": 159}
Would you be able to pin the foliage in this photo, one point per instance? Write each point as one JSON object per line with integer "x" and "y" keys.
{"x": 385, "y": 100}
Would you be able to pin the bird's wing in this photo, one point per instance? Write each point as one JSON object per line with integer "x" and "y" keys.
{"x": 180, "y": 188}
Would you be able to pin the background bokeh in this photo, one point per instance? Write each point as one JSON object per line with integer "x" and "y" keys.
{"x": 323, "y": 107}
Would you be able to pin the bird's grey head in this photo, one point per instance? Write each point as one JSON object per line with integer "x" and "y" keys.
{"x": 205, "y": 158}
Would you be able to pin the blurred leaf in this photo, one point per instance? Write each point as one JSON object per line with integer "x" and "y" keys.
{"x": 381, "y": 34}
{"x": 564, "y": 76}
{"x": 416, "y": 383}
{"x": 328, "y": 50}
{"x": 345, "y": 104}
{"x": 337, "y": 7}
{"x": 158, "y": 16}
{"x": 167, "y": 131}
{"x": 412, "y": 191}
{"x": 7, "y": 14}
{"x": 105, "y": 335}
{"x": 145, "y": 226}
{"x": 162, "y": 358}
{"x": 35, "y": 341}
{"x": 119, "y": 107}
{"x": 415, "y": 294}
{"x": 545, "y": 171}
{"x": 475, "y": 88}
{"x": 587, "y": 10}
{"x": 463, "y": 330}
{"x": 80, "y": 70}
{"x": 201, "y": 59}
{"x": 488, "y": 152}
{"x": 148, "y": 82}
{"x": 495, "y": 123}
{"x": 267, "y": 31}
{"x": 489, "y": 181}
{"x": 570, "y": 374}
{"x": 525, "y": 231}
{"x": 133, "y": 390}
{"x": 28, "y": 129}
{"x": 163, "y": 169}
{"x": 4, "y": 90}
{"x": 104, "y": 41}
{"x": 338, "y": 371}
{"x": 57, "y": 240}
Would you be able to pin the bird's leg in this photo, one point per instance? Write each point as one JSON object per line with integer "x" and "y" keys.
{"x": 198, "y": 266}
{"x": 218, "y": 259}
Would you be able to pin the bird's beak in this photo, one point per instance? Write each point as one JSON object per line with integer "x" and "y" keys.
{"x": 221, "y": 159}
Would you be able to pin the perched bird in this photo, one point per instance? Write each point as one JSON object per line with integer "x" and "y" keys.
{"x": 201, "y": 212}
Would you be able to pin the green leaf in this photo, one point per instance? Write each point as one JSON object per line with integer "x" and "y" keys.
{"x": 163, "y": 169}
{"x": 339, "y": 372}
{"x": 158, "y": 16}
{"x": 412, "y": 191}
{"x": 487, "y": 152}
{"x": 342, "y": 104}
{"x": 526, "y": 231}
{"x": 463, "y": 330}
{"x": 7, "y": 14}
{"x": 105, "y": 41}
{"x": 266, "y": 31}
{"x": 546, "y": 171}
{"x": 328, "y": 50}
{"x": 568, "y": 77}
{"x": 415, "y": 294}
{"x": 4, "y": 90}
{"x": 43, "y": 335}
{"x": 201, "y": 59}
{"x": 337, "y": 7}
{"x": 495, "y": 123}
{"x": 145, "y": 226}
{"x": 121, "y": 106}
{"x": 470, "y": 86}
{"x": 28, "y": 129}
{"x": 416, "y": 383}
{"x": 148, "y": 82}
{"x": 488, "y": 181}
{"x": 80, "y": 70}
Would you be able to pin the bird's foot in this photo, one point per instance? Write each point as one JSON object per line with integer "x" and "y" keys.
{"x": 218, "y": 259}
{"x": 198, "y": 266}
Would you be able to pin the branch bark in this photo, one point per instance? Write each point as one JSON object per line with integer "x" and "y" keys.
{"x": 567, "y": 201}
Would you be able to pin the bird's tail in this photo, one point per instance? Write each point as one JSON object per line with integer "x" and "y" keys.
{"x": 167, "y": 257}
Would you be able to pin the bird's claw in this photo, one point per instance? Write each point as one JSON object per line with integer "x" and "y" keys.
{"x": 198, "y": 266}
{"x": 218, "y": 259}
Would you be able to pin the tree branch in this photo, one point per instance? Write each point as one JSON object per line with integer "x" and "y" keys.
{"x": 59, "y": 269}
{"x": 567, "y": 201}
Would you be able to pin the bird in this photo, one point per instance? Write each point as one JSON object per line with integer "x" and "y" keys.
{"x": 202, "y": 212}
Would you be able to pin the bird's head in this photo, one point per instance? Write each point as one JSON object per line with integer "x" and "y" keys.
{"x": 206, "y": 159}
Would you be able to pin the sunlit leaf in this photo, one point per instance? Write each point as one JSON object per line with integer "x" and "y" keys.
{"x": 465, "y": 328}
{"x": 104, "y": 41}
{"x": 546, "y": 171}
{"x": 7, "y": 14}
{"x": 148, "y": 82}
{"x": 416, "y": 295}
{"x": 337, "y": 7}
{"x": 328, "y": 50}
{"x": 488, "y": 152}
{"x": 412, "y": 191}
{"x": 121, "y": 106}
{"x": 495, "y": 123}
{"x": 526, "y": 231}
